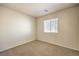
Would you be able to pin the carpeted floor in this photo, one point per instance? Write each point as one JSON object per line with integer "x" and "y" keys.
{"x": 39, "y": 48}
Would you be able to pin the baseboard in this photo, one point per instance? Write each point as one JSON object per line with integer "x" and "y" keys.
{"x": 60, "y": 45}
{"x": 15, "y": 46}
{"x": 38, "y": 40}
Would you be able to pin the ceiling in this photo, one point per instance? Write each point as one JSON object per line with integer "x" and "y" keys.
{"x": 38, "y": 9}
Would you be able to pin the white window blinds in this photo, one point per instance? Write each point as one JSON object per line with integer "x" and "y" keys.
{"x": 51, "y": 25}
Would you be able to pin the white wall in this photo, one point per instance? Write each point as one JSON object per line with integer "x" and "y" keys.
{"x": 67, "y": 35}
{"x": 15, "y": 28}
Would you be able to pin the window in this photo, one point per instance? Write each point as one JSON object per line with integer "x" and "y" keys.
{"x": 51, "y": 25}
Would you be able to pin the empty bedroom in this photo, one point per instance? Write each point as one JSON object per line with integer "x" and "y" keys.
{"x": 39, "y": 29}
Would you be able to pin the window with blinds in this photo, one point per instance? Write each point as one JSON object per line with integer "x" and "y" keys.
{"x": 51, "y": 25}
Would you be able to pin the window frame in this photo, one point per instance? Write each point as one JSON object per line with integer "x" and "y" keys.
{"x": 57, "y": 30}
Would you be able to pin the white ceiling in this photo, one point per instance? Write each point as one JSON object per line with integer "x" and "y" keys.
{"x": 38, "y": 9}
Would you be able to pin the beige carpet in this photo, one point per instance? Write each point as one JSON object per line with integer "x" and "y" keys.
{"x": 39, "y": 48}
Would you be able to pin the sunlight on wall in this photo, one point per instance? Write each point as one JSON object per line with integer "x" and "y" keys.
{"x": 15, "y": 28}
{"x": 23, "y": 27}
